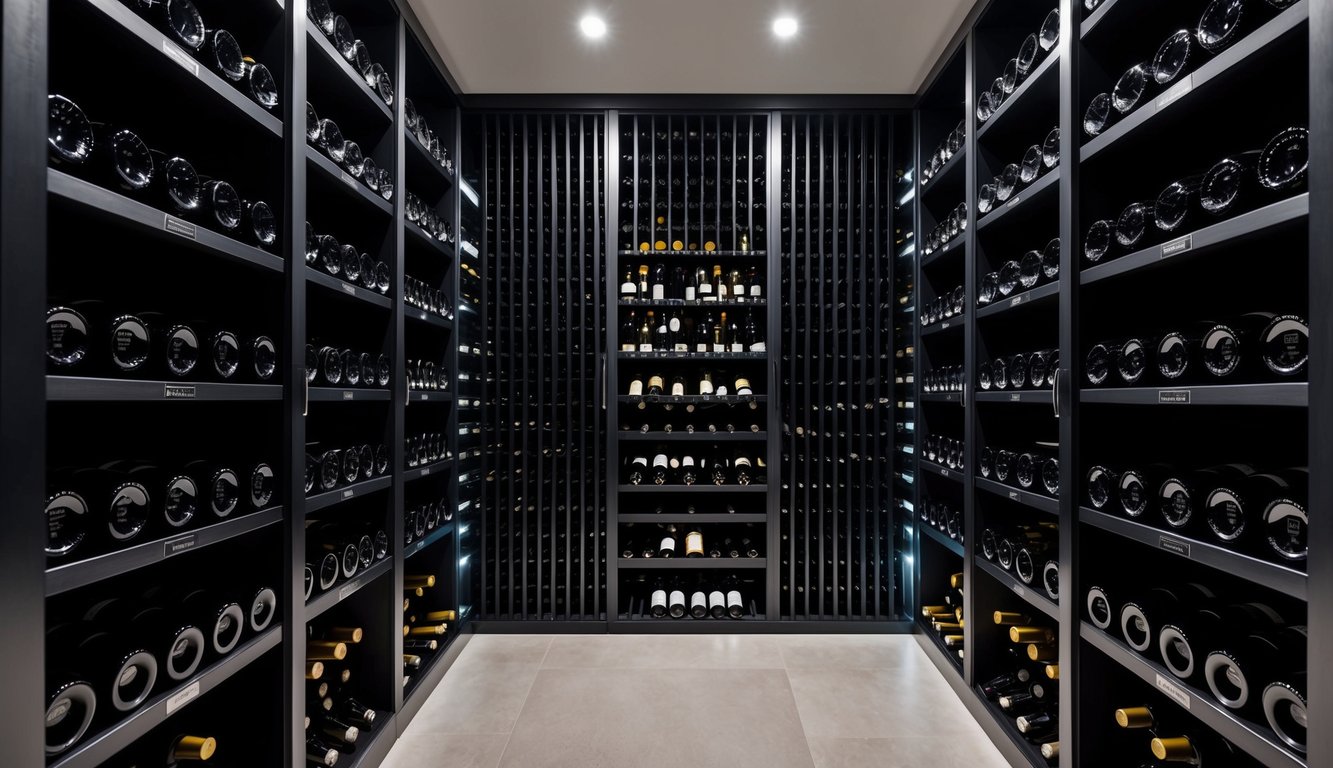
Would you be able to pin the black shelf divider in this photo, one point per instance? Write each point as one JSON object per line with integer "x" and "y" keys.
{"x": 65, "y": 577}
{"x": 1037, "y": 295}
{"x": 695, "y": 437}
{"x": 942, "y": 539}
{"x": 90, "y": 389}
{"x": 343, "y": 180}
{"x": 1029, "y": 197}
{"x": 339, "y": 592}
{"x": 349, "y": 394}
{"x": 428, "y": 318}
{"x": 1290, "y": 394}
{"x": 435, "y": 536}
{"x": 346, "y": 289}
{"x": 416, "y": 473}
{"x": 424, "y": 238}
{"x": 954, "y": 324}
{"x": 1026, "y": 498}
{"x": 694, "y": 399}
{"x": 952, "y": 248}
{"x": 941, "y": 397}
{"x": 355, "y": 81}
{"x": 346, "y": 493}
{"x": 670, "y": 489}
{"x": 426, "y": 396}
{"x": 1027, "y": 396}
{"x": 691, "y": 563}
{"x": 425, "y": 158}
{"x": 702, "y": 518}
{"x": 936, "y": 469}
{"x": 954, "y": 165}
{"x": 1033, "y": 594}
{"x": 1048, "y": 68}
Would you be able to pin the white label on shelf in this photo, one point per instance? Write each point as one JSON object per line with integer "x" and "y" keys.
{"x": 944, "y": 471}
{"x": 177, "y": 392}
{"x": 349, "y": 289}
{"x": 178, "y": 55}
{"x": 423, "y": 316}
{"x": 187, "y": 694}
{"x": 946, "y": 246}
{"x": 347, "y": 179}
{"x": 462, "y": 431}
{"x": 1175, "y": 692}
{"x": 1014, "y": 397}
{"x": 1015, "y": 495}
{"x": 349, "y": 394}
{"x": 1013, "y": 202}
{"x": 349, "y": 493}
{"x": 348, "y": 589}
{"x": 1181, "y": 548}
{"x": 1015, "y": 301}
{"x": 1176, "y": 91}
{"x": 1174, "y": 397}
{"x": 425, "y": 471}
{"x": 1018, "y": 590}
{"x": 179, "y": 227}
{"x": 944, "y": 325}
{"x": 1179, "y": 245}
{"x": 179, "y": 545}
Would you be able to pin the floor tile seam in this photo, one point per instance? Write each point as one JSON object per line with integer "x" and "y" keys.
{"x": 796, "y": 707}
{"x": 509, "y": 738}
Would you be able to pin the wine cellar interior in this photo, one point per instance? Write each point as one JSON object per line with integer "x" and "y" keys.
{"x": 347, "y": 368}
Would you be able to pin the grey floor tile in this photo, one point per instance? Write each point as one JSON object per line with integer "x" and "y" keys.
{"x": 440, "y": 750}
{"x": 871, "y": 703}
{"x": 579, "y": 718}
{"x": 506, "y": 649}
{"x": 663, "y": 652}
{"x": 938, "y": 750}
{"x": 851, "y": 651}
{"x": 476, "y": 697}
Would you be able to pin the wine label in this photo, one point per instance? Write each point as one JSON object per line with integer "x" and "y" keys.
{"x": 629, "y": 347}
{"x": 688, "y": 461}
{"x": 701, "y": 347}
{"x": 706, "y": 290}
{"x": 706, "y": 387}
{"x": 677, "y": 597}
{"x": 659, "y": 292}
{"x": 655, "y": 382}
{"x": 678, "y": 389}
{"x": 716, "y": 599}
{"x": 734, "y": 599}
{"x": 719, "y": 347}
{"x": 689, "y": 293}
{"x": 629, "y": 290}
{"x": 640, "y": 460}
{"x": 694, "y": 542}
{"x": 668, "y": 545}
{"x": 674, "y": 325}
{"x": 756, "y": 291}
{"x": 660, "y": 460}
{"x": 659, "y": 598}
{"x": 682, "y": 347}
{"x": 636, "y": 388}
{"x": 759, "y": 347}
{"x": 737, "y": 346}
{"x": 699, "y": 600}
{"x": 743, "y": 386}
{"x": 646, "y": 347}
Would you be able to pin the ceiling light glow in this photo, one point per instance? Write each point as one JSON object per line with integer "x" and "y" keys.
{"x": 785, "y": 27}
{"x": 593, "y": 27}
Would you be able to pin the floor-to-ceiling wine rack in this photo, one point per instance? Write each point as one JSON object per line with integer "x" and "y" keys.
{"x": 1063, "y": 302}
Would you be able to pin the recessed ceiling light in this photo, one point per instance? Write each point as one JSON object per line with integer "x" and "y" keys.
{"x": 785, "y": 27}
{"x": 594, "y": 28}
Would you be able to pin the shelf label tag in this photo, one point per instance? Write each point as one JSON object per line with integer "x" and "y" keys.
{"x": 1173, "y": 397}
{"x": 946, "y": 246}
{"x": 1175, "y": 92}
{"x": 425, "y": 471}
{"x": 1173, "y": 691}
{"x": 1014, "y": 202}
{"x": 944, "y": 325}
{"x": 423, "y": 315}
{"x": 1015, "y": 397}
{"x": 349, "y": 289}
{"x": 1015, "y": 495}
{"x": 1015, "y": 301}
{"x": 179, "y": 227}
{"x": 177, "y": 392}
{"x": 185, "y": 696}
{"x": 1181, "y": 548}
{"x": 349, "y": 493}
{"x": 349, "y": 394}
{"x": 1018, "y": 590}
{"x": 1179, "y": 245}
{"x": 178, "y": 55}
{"x": 348, "y": 589}
{"x": 182, "y": 544}
{"x": 347, "y": 179}
{"x": 944, "y": 472}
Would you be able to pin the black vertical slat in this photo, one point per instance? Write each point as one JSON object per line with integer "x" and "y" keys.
{"x": 821, "y": 380}
{"x": 807, "y": 400}
{"x": 525, "y": 358}
{"x": 572, "y": 481}
{"x": 837, "y": 342}
{"x": 512, "y": 390}
{"x": 652, "y": 187}
{"x": 878, "y": 421}
{"x": 598, "y": 345}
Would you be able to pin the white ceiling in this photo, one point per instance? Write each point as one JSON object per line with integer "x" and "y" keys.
{"x": 691, "y": 46}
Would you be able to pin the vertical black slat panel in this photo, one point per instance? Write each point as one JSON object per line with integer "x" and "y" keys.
{"x": 531, "y": 190}
{"x": 598, "y": 471}
{"x": 868, "y": 374}
{"x": 808, "y": 382}
{"x": 821, "y": 379}
{"x": 787, "y": 307}
{"x": 586, "y": 318}
{"x": 509, "y": 388}
{"x": 749, "y": 183}
{"x": 393, "y": 611}
{"x": 561, "y": 365}
{"x": 487, "y": 568}
{"x": 23, "y": 88}
{"x": 514, "y": 392}
{"x": 883, "y": 445}
{"x": 652, "y": 188}
{"x": 876, "y": 358}
{"x": 573, "y": 318}
{"x": 834, "y": 474}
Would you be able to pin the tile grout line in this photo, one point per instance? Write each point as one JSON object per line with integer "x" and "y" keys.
{"x": 513, "y": 727}
{"x": 795, "y": 705}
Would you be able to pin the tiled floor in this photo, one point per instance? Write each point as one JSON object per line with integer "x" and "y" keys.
{"x": 730, "y": 701}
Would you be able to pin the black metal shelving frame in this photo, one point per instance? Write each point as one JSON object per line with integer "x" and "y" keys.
{"x": 965, "y": 70}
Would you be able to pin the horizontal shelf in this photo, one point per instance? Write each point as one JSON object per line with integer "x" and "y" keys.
{"x": 173, "y": 54}
{"x": 954, "y": 165}
{"x": 1202, "y": 240}
{"x": 692, "y": 355}
{"x": 701, "y": 488}
{"x": 428, "y": 318}
{"x": 109, "y": 744}
{"x": 353, "y": 185}
{"x": 1025, "y": 199}
{"x": 1034, "y": 296}
{"x": 1096, "y": 17}
{"x": 143, "y": 218}
{"x": 79, "y": 388}
{"x": 1047, "y": 68}
{"x": 940, "y": 538}
{"x": 698, "y": 517}
{"x": 1030, "y": 752}
{"x": 1274, "y": 576}
{"x": 343, "y": 288}
{"x": 697, "y": 254}
{"x": 425, "y": 396}
{"x": 339, "y": 394}
{"x": 1257, "y": 740}
{"x": 434, "y": 536}
{"x": 951, "y": 248}
{"x": 693, "y": 303}
{"x": 354, "y": 491}
{"x": 702, "y": 437}
{"x": 424, "y": 238}
{"x": 1026, "y": 498}
{"x": 340, "y": 592}
{"x": 941, "y": 397}
{"x": 1292, "y": 394}
{"x": 1031, "y": 396}
{"x": 424, "y": 155}
{"x": 435, "y": 468}
{"x": 1033, "y": 595}
{"x": 358, "y": 83}
{"x": 1180, "y": 97}
{"x": 63, "y": 578}
{"x": 693, "y": 399}
{"x": 691, "y": 563}
{"x": 935, "y": 469}
{"x": 952, "y": 324}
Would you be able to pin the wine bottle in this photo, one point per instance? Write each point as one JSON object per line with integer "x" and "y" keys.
{"x": 699, "y": 599}
{"x": 638, "y": 470}
{"x": 667, "y": 544}
{"x": 629, "y": 290}
{"x": 658, "y": 599}
{"x": 660, "y": 473}
{"x": 646, "y": 331}
{"x": 676, "y": 600}
{"x": 188, "y": 749}
{"x": 1141, "y": 618}
{"x": 694, "y": 543}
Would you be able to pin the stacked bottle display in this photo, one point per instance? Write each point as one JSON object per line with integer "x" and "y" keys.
{"x": 841, "y": 538}
{"x": 544, "y": 294}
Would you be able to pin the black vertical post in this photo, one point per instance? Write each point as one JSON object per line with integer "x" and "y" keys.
{"x": 971, "y": 424}
{"x": 23, "y": 38}
{"x": 295, "y": 392}
{"x": 399, "y": 394}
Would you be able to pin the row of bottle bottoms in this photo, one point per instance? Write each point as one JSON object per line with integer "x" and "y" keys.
{"x": 1239, "y": 506}
{"x": 330, "y": 467}
{"x": 681, "y": 284}
{"x": 1245, "y": 653}
{"x": 663, "y": 543}
{"x": 1028, "y": 551}
{"x": 667, "y": 331}
{"x": 689, "y": 428}
{"x": 85, "y": 337}
{"x": 708, "y": 385}
{"x": 339, "y": 551}
{"x": 687, "y": 470}
{"x": 107, "y": 661}
{"x": 421, "y": 519}
{"x": 715, "y": 598}
{"x": 1257, "y": 344}
{"x": 118, "y": 504}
